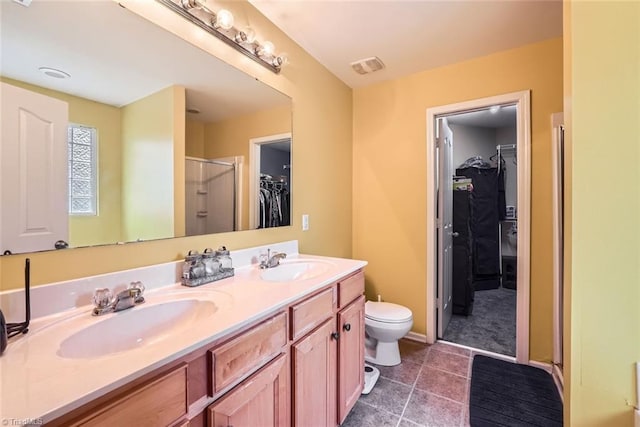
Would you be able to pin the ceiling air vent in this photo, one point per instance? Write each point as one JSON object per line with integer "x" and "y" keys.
{"x": 367, "y": 65}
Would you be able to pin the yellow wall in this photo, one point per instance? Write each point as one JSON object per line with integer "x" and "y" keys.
{"x": 231, "y": 137}
{"x": 602, "y": 102}
{"x": 389, "y": 176}
{"x": 179, "y": 166}
{"x": 105, "y": 227}
{"x": 194, "y": 139}
{"x": 322, "y": 126}
{"x": 148, "y": 132}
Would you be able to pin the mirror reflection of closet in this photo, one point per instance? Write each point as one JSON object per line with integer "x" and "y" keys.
{"x": 271, "y": 179}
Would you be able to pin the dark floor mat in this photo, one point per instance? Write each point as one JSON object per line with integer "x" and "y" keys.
{"x": 508, "y": 394}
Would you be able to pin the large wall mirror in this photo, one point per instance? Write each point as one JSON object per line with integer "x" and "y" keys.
{"x": 158, "y": 132}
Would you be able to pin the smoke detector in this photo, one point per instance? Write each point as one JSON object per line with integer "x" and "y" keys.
{"x": 367, "y": 65}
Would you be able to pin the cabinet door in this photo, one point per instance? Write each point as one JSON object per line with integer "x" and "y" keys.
{"x": 260, "y": 400}
{"x": 350, "y": 356}
{"x": 314, "y": 377}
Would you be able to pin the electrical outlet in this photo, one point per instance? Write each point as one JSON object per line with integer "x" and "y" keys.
{"x": 305, "y": 222}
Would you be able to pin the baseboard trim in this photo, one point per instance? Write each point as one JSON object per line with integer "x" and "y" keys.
{"x": 555, "y": 372}
{"x": 558, "y": 377}
{"x": 542, "y": 365}
{"x": 414, "y": 336}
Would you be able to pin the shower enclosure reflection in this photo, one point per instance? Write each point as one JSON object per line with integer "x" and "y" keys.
{"x": 210, "y": 195}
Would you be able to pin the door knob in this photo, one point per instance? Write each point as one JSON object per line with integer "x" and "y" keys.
{"x": 455, "y": 234}
{"x": 335, "y": 335}
{"x": 347, "y": 327}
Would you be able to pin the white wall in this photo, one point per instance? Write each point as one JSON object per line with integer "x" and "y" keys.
{"x": 508, "y": 136}
{"x": 469, "y": 141}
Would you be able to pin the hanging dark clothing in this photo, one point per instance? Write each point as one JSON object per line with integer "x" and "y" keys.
{"x": 273, "y": 204}
{"x": 484, "y": 225}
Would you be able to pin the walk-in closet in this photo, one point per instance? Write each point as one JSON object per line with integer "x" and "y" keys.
{"x": 484, "y": 248}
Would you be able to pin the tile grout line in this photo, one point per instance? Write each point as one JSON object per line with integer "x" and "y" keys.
{"x": 413, "y": 387}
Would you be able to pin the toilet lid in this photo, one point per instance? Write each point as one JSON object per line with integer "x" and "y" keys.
{"x": 386, "y": 312}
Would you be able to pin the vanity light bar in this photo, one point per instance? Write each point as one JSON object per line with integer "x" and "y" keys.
{"x": 222, "y": 28}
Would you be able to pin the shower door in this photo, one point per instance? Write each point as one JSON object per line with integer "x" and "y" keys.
{"x": 210, "y": 196}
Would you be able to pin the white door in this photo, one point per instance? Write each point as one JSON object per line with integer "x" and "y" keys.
{"x": 33, "y": 174}
{"x": 445, "y": 224}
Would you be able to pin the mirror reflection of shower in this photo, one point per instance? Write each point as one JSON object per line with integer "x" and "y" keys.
{"x": 211, "y": 195}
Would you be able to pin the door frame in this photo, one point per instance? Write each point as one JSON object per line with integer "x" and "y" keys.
{"x": 255, "y": 146}
{"x": 557, "y": 123}
{"x": 522, "y": 100}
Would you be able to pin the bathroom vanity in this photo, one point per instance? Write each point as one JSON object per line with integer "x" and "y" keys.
{"x": 277, "y": 349}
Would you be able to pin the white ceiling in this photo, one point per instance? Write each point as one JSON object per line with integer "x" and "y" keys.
{"x": 116, "y": 57}
{"x": 504, "y": 117}
{"x": 410, "y": 36}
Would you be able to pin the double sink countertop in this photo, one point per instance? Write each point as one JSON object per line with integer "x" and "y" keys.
{"x": 67, "y": 359}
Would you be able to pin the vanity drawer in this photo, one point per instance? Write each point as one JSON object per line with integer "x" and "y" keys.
{"x": 159, "y": 403}
{"x": 350, "y": 288}
{"x": 248, "y": 352}
{"x": 310, "y": 313}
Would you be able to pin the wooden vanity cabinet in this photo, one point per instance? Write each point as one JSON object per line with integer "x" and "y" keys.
{"x": 303, "y": 366}
{"x": 161, "y": 401}
{"x": 260, "y": 400}
{"x": 314, "y": 371}
{"x": 350, "y": 356}
{"x": 328, "y": 363}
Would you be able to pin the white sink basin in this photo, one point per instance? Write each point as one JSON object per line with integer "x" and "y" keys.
{"x": 295, "y": 270}
{"x": 134, "y": 328}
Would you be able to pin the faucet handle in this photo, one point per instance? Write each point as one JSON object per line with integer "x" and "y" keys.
{"x": 137, "y": 285}
{"x": 263, "y": 258}
{"x": 102, "y": 297}
{"x": 136, "y": 290}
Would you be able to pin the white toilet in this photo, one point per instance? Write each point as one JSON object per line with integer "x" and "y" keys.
{"x": 385, "y": 323}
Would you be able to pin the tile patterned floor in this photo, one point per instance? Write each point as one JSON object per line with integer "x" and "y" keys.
{"x": 429, "y": 388}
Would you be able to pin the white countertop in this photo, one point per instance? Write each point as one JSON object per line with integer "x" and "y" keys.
{"x": 36, "y": 383}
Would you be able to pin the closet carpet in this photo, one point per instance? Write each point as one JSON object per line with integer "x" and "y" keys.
{"x": 492, "y": 324}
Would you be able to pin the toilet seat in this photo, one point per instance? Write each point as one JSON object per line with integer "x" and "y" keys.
{"x": 387, "y": 312}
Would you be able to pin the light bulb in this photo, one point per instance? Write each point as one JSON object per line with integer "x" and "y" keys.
{"x": 224, "y": 19}
{"x": 266, "y": 49}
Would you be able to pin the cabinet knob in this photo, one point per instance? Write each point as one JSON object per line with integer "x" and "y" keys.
{"x": 347, "y": 327}
{"x": 335, "y": 335}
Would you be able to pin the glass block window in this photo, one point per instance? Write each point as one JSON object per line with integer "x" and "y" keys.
{"x": 83, "y": 168}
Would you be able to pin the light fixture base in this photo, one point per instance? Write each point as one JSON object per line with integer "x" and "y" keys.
{"x": 229, "y": 37}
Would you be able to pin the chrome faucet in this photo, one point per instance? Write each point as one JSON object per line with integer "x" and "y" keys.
{"x": 272, "y": 260}
{"x": 105, "y": 303}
